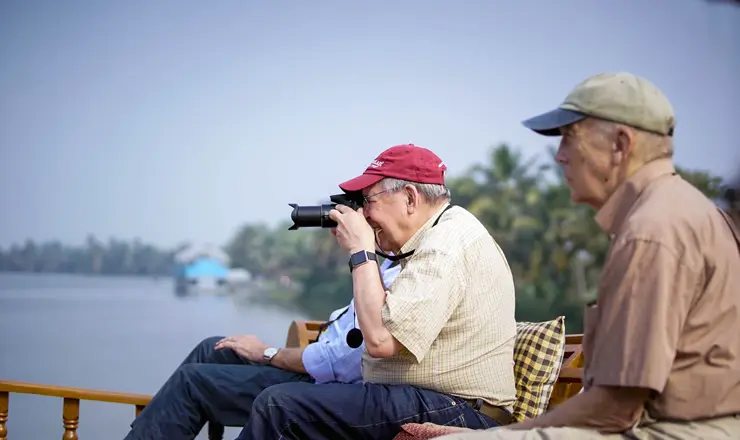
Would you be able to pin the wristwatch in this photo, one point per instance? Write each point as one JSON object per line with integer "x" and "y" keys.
{"x": 269, "y": 354}
{"x": 360, "y": 258}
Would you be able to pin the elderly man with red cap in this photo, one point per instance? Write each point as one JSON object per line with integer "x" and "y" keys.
{"x": 438, "y": 344}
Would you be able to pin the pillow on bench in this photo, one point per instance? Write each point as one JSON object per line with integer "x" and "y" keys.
{"x": 538, "y": 355}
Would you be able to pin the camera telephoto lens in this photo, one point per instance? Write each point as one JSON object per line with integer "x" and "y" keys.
{"x": 311, "y": 216}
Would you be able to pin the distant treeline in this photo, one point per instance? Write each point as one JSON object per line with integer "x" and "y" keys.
{"x": 94, "y": 257}
{"x": 554, "y": 248}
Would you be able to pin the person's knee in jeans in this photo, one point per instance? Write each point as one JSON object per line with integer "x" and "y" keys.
{"x": 203, "y": 351}
{"x": 208, "y": 345}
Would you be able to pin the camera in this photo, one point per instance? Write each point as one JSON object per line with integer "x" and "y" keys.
{"x": 317, "y": 216}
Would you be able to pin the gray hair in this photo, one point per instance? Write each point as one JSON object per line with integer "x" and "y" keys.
{"x": 655, "y": 146}
{"x": 433, "y": 193}
{"x": 650, "y": 146}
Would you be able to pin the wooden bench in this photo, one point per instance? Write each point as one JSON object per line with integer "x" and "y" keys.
{"x": 300, "y": 334}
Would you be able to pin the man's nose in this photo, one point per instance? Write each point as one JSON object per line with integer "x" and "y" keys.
{"x": 560, "y": 156}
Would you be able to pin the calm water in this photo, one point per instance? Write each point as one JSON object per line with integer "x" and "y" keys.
{"x": 117, "y": 334}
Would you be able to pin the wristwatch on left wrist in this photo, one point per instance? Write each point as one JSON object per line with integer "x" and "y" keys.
{"x": 269, "y": 353}
{"x": 361, "y": 257}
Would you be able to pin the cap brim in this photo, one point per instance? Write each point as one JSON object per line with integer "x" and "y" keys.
{"x": 360, "y": 182}
{"x": 550, "y": 123}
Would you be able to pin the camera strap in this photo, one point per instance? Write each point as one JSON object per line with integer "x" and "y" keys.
{"x": 324, "y": 326}
{"x": 401, "y": 256}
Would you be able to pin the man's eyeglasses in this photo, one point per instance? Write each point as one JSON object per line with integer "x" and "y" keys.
{"x": 366, "y": 199}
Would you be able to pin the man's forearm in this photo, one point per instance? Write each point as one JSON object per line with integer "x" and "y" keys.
{"x": 290, "y": 359}
{"x": 369, "y": 296}
{"x": 607, "y": 410}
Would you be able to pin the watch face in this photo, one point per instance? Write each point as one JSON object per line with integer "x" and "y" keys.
{"x": 359, "y": 257}
{"x": 270, "y": 352}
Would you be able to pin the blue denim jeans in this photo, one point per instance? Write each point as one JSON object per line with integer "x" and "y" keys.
{"x": 210, "y": 385}
{"x": 352, "y": 411}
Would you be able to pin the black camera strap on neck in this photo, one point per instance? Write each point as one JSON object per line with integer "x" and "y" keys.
{"x": 354, "y": 336}
{"x": 403, "y": 255}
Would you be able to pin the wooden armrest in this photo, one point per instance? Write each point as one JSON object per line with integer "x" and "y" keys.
{"x": 570, "y": 375}
{"x": 301, "y": 333}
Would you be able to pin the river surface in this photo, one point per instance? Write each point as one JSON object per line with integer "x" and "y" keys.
{"x": 111, "y": 333}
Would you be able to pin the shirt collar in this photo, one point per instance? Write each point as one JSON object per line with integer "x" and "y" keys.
{"x": 611, "y": 216}
{"x": 413, "y": 242}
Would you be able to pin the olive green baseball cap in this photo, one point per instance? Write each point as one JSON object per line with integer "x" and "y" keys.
{"x": 618, "y": 97}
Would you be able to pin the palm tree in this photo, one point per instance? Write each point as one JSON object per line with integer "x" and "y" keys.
{"x": 731, "y": 198}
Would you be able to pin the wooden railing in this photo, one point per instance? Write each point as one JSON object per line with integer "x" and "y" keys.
{"x": 570, "y": 377}
{"x": 300, "y": 334}
{"x": 70, "y": 402}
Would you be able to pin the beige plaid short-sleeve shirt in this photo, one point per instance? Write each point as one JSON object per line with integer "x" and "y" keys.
{"x": 452, "y": 309}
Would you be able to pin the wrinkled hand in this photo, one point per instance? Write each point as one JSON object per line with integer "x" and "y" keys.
{"x": 246, "y": 346}
{"x": 353, "y": 232}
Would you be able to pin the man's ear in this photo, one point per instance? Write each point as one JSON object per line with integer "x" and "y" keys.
{"x": 413, "y": 198}
{"x": 623, "y": 145}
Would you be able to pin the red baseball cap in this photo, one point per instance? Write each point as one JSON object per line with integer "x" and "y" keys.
{"x": 405, "y": 162}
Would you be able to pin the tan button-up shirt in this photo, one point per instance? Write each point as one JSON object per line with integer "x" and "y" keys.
{"x": 667, "y": 317}
{"x": 452, "y": 308}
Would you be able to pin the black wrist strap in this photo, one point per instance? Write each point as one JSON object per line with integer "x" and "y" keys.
{"x": 370, "y": 256}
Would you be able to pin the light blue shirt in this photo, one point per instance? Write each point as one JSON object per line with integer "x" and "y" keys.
{"x": 330, "y": 359}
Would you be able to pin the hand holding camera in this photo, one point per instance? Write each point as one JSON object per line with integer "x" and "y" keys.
{"x": 353, "y": 232}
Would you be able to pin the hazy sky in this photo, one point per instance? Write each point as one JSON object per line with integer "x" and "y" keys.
{"x": 181, "y": 120}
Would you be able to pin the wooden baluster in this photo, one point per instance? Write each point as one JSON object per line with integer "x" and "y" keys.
{"x": 215, "y": 431}
{"x": 3, "y": 415}
{"x": 70, "y": 418}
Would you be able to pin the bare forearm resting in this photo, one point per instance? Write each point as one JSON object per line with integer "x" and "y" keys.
{"x": 607, "y": 410}
{"x": 369, "y": 299}
{"x": 290, "y": 359}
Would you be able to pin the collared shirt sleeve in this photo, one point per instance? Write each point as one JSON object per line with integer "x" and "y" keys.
{"x": 424, "y": 295}
{"x": 644, "y": 299}
{"x": 330, "y": 359}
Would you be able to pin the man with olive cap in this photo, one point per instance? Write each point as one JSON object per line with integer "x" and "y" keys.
{"x": 661, "y": 342}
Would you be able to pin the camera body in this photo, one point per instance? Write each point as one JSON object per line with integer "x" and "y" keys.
{"x": 317, "y": 216}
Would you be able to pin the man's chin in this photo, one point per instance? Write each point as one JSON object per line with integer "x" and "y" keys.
{"x": 380, "y": 241}
{"x": 584, "y": 199}
{"x": 574, "y": 196}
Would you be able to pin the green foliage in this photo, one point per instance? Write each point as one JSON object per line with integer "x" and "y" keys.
{"x": 731, "y": 198}
{"x": 710, "y": 185}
